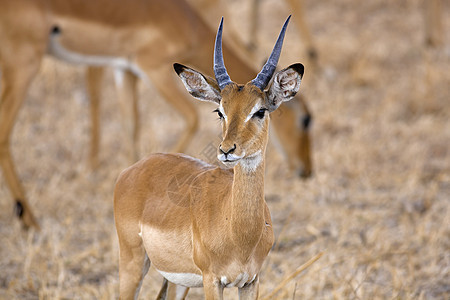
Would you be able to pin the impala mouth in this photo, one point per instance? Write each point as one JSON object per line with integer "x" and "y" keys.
{"x": 229, "y": 160}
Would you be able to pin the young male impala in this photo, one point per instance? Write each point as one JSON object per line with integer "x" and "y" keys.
{"x": 201, "y": 225}
{"x": 138, "y": 38}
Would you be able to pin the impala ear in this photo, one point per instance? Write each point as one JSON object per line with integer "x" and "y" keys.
{"x": 202, "y": 87}
{"x": 284, "y": 85}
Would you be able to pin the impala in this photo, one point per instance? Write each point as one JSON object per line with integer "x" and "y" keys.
{"x": 138, "y": 39}
{"x": 201, "y": 225}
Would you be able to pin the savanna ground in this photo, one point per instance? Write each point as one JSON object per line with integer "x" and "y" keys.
{"x": 377, "y": 205}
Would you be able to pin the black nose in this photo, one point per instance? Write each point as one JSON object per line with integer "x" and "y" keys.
{"x": 229, "y": 150}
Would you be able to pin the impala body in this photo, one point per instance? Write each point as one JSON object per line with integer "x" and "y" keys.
{"x": 201, "y": 225}
{"x": 188, "y": 230}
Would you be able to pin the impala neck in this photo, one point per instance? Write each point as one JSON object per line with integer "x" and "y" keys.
{"x": 247, "y": 213}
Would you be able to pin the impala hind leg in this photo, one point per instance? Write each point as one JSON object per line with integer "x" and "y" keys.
{"x": 170, "y": 291}
{"x": 164, "y": 80}
{"x": 16, "y": 79}
{"x": 126, "y": 88}
{"x": 94, "y": 76}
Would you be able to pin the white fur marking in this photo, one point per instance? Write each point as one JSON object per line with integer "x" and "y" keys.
{"x": 222, "y": 112}
{"x": 184, "y": 279}
{"x": 118, "y": 77}
{"x": 252, "y": 112}
{"x": 239, "y": 282}
{"x": 140, "y": 232}
{"x": 251, "y": 163}
{"x": 243, "y": 280}
{"x": 231, "y": 157}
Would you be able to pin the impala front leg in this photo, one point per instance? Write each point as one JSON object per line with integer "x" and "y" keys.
{"x": 250, "y": 291}
{"x": 212, "y": 287}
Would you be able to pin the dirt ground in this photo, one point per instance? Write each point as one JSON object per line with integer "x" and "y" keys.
{"x": 377, "y": 205}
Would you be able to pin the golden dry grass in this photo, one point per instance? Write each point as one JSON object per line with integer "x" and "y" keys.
{"x": 377, "y": 206}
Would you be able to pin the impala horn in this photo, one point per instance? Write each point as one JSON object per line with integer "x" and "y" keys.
{"x": 220, "y": 72}
{"x": 263, "y": 77}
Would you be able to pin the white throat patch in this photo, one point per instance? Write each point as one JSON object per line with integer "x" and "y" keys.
{"x": 251, "y": 163}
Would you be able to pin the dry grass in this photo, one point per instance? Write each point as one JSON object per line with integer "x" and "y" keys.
{"x": 378, "y": 205}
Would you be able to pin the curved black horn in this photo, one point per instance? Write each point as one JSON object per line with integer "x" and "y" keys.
{"x": 263, "y": 78}
{"x": 219, "y": 67}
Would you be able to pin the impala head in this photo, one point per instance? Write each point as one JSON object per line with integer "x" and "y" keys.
{"x": 244, "y": 109}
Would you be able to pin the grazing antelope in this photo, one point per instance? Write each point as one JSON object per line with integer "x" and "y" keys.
{"x": 139, "y": 40}
{"x": 201, "y": 225}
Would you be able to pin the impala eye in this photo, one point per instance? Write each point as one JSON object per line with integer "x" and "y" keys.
{"x": 218, "y": 113}
{"x": 260, "y": 113}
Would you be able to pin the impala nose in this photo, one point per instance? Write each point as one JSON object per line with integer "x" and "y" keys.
{"x": 227, "y": 151}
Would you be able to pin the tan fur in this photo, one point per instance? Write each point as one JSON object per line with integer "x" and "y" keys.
{"x": 215, "y": 224}
{"x": 145, "y": 35}
{"x": 202, "y": 225}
